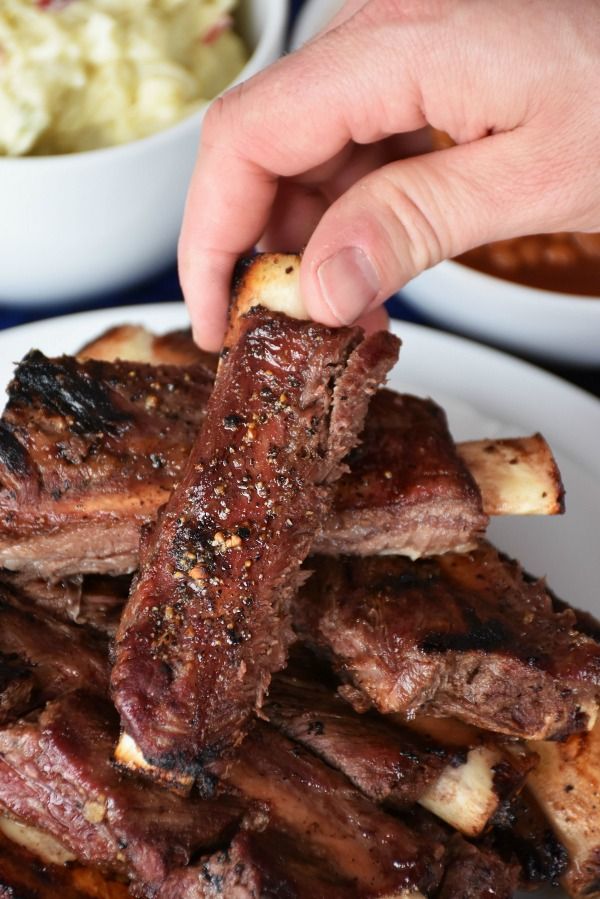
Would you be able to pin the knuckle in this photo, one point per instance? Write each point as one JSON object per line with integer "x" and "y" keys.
{"x": 408, "y": 221}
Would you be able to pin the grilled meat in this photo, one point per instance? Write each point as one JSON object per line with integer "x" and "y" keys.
{"x": 63, "y": 760}
{"x": 265, "y": 864}
{"x": 387, "y": 763}
{"x": 407, "y": 489}
{"x": 208, "y": 620}
{"x": 42, "y": 658}
{"x": 24, "y": 876}
{"x": 321, "y": 809}
{"x": 464, "y": 784}
{"x": 459, "y": 635}
{"x": 88, "y": 452}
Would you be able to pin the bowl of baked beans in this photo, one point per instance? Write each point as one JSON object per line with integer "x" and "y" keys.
{"x": 537, "y": 295}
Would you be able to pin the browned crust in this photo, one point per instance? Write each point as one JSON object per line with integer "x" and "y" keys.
{"x": 208, "y": 621}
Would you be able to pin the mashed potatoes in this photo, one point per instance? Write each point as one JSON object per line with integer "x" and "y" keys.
{"x": 83, "y": 74}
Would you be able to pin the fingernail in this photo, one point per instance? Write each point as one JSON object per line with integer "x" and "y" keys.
{"x": 349, "y": 283}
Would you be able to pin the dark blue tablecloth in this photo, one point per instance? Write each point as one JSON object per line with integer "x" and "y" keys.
{"x": 166, "y": 287}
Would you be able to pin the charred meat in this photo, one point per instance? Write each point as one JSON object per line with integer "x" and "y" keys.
{"x": 464, "y": 784}
{"x": 386, "y": 762}
{"x": 321, "y": 809}
{"x": 407, "y": 490}
{"x": 208, "y": 620}
{"x": 74, "y": 495}
{"x": 459, "y": 635}
{"x": 63, "y": 760}
{"x": 88, "y": 452}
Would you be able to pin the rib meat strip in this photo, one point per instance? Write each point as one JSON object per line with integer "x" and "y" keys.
{"x": 464, "y": 785}
{"x": 385, "y": 761}
{"x": 317, "y": 806}
{"x": 57, "y": 774}
{"x": 41, "y": 658}
{"x": 90, "y": 450}
{"x": 208, "y": 622}
{"x": 88, "y": 453}
{"x": 407, "y": 489}
{"x": 458, "y": 635}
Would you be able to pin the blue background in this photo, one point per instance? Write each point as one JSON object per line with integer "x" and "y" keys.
{"x": 166, "y": 287}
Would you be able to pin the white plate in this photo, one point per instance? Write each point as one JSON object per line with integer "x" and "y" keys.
{"x": 485, "y": 393}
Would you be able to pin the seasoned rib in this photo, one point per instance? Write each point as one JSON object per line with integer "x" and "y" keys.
{"x": 566, "y": 785}
{"x": 63, "y": 760}
{"x": 88, "y": 452}
{"x": 24, "y": 876}
{"x": 208, "y": 620}
{"x": 76, "y": 502}
{"x": 319, "y": 808}
{"x": 459, "y": 635}
{"x": 387, "y": 763}
{"x": 464, "y": 784}
{"x": 263, "y": 865}
{"x": 476, "y": 872}
{"x": 407, "y": 489}
{"x": 43, "y": 658}
{"x": 94, "y": 491}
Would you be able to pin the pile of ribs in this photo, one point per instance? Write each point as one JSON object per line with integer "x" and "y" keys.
{"x": 254, "y": 643}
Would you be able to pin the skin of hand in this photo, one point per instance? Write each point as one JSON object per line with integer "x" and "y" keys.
{"x": 323, "y": 150}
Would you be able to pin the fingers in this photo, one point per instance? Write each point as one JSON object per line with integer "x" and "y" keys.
{"x": 292, "y": 118}
{"x": 294, "y": 216}
{"x": 302, "y": 201}
{"x": 409, "y": 215}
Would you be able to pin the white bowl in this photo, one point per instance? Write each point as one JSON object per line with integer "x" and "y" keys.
{"x": 539, "y": 323}
{"x": 314, "y": 16}
{"x": 87, "y": 223}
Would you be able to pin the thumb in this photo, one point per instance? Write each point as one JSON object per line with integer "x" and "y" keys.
{"x": 409, "y": 215}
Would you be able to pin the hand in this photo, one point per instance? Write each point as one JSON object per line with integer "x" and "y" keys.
{"x": 313, "y": 151}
